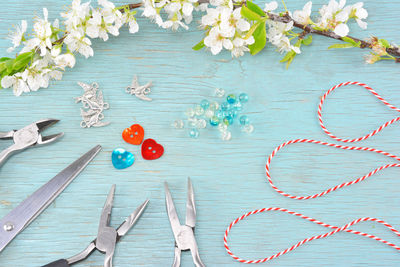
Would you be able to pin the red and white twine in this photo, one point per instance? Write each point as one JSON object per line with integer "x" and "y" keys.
{"x": 335, "y": 228}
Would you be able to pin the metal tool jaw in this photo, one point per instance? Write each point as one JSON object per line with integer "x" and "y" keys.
{"x": 107, "y": 236}
{"x": 28, "y": 136}
{"x": 184, "y": 234}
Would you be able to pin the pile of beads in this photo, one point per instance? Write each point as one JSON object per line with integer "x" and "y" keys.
{"x": 218, "y": 115}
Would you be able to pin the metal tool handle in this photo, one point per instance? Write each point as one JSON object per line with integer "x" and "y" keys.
{"x": 59, "y": 263}
{"x": 6, "y": 153}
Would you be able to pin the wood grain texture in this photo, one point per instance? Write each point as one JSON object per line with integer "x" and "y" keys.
{"x": 228, "y": 177}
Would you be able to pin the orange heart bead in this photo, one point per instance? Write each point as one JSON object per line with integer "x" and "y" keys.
{"x": 133, "y": 135}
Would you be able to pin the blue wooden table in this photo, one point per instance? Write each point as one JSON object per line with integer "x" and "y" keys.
{"x": 229, "y": 177}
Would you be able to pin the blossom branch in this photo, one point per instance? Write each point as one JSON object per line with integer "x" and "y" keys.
{"x": 394, "y": 51}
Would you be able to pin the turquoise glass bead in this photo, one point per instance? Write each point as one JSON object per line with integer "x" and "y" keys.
{"x": 214, "y": 121}
{"x": 225, "y": 106}
{"x": 220, "y": 114}
{"x": 205, "y": 104}
{"x": 214, "y": 105}
{"x": 194, "y": 133}
{"x": 234, "y": 113}
{"x": 231, "y": 99}
{"x": 243, "y": 97}
{"x": 244, "y": 120}
{"x": 228, "y": 120}
{"x": 238, "y": 106}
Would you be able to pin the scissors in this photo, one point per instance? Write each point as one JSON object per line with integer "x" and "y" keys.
{"x": 21, "y": 216}
{"x": 28, "y": 136}
{"x": 107, "y": 236}
{"x": 184, "y": 234}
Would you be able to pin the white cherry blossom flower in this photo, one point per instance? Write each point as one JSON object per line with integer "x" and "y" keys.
{"x": 16, "y": 82}
{"x": 76, "y": 41}
{"x": 129, "y": 18}
{"x": 240, "y": 46}
{"x": 76, "y": 15}
{"x": 42, "y": 31}
{"x": 65, "y": 60}
{"x": 18, "y": 36}
{"x": 271, "y": 6}
{"x": 212, "y": 18}
{"x": 215, "y": 40}
{"x": 233, "y": 21}
{"x": 359, "y": 13}
{"x": 303, "y": 16}
{"x": 151, "y": 13}
{"x": 174, "y": 25}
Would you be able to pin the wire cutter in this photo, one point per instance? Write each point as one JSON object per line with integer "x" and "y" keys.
{"x": 28, "y": 136}
{"x": 184, "y": 234}
{"x": 107, "y": 236}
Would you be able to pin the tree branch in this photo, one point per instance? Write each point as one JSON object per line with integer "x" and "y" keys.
{"x": 307, "y": 29}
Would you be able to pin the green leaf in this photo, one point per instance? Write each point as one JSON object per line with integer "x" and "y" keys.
{"x": 349, "y": 40}
{"x": 4, "y": 59}
{"x": 22, "y": 60}
{"x": 252, "y": 29}
{"x": 384, "y": 43}
{"x": 288, "y": 56}
{"x": 341, "y": 46}
{"x": 199, "y": 45}
{"x": 255, "y": 8}
{"x": 248, "y": 14}
{"x": 308, "y": 40}
{"x": 9, "y": 65}
{"x": 260, "y": 38}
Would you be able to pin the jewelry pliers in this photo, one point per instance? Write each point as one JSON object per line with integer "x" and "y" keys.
{"x": 184, "y": 234}
{"x": 107, "y": 236}
{"x": 28, "y": 136}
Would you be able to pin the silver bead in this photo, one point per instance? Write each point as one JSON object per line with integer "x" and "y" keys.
{"x": 222, "y": 127}
{"x": 201, "y": 123}
{"x": 248, "y": 128}
{"x": 209, "y": 113}
{"x": 226, "y": 135}
{"x": 219, "y": 92}
{"x": 198, "y": 110}
{"x": 178, "y": 124}
{"x": 190, "y": 112}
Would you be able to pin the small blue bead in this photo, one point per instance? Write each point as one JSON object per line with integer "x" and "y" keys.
{"x": 228, "y": 120}
{"x": 243, "y": 97}
{"x": 194, "y": 133}
{"x": 231, "y": 99}
{"x": 238, "y": 106}
{"x": 234, "y": 113}
{"x": 225, "y": 106}
{"x": 204, "y": 104}
{"x": 220, "y": 114}
{"x": 214, "y": 121}
{"x": 244, "y": 120}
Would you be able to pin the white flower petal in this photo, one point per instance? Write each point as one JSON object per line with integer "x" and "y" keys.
{"x": 271, "y": 6}
{"x": 341, "y": 30}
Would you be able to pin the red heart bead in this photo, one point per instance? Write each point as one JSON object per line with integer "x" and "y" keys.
{"x": 151, "y": 149}
{"x": 133, "y": 135}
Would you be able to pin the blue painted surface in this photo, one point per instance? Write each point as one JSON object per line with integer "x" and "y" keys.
{"x": 228, "y": 177}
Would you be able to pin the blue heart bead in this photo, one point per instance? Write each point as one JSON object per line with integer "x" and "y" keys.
{"x": 121, "y": 158}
